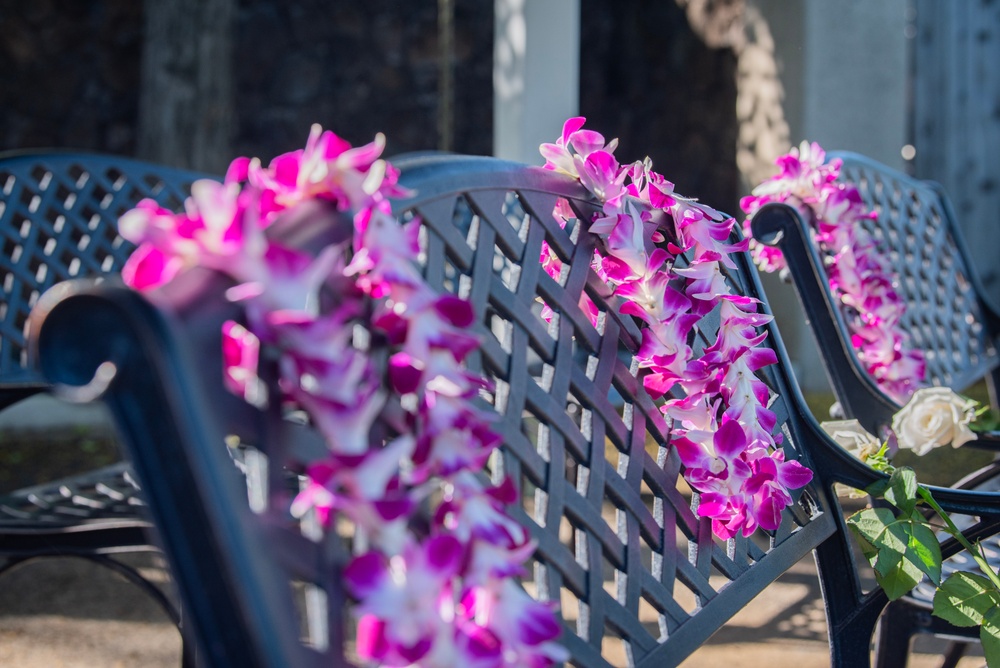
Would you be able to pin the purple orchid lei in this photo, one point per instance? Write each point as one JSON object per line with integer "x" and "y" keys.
{"x": 446, "y": 596}
{"x": 858, "y": 273}
{"x": 664, "y": 255}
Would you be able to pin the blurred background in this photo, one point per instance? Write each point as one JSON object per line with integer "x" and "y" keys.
{"x": 711, "y": 90}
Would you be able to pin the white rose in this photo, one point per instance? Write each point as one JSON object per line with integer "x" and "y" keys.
{"x": 850, "y": 435}
{"x": 934, "y": 416}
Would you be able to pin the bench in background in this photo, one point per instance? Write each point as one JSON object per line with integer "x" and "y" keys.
{"x": 58, "y": 220}
{"x": 947, "y": 317}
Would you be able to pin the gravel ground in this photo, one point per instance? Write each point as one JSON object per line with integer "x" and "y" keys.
{"x": 73, "y": 613}
{"x": 70, "y": 613}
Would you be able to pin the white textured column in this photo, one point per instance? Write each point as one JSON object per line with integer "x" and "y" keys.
{"x": 536, "y": 74}
{"x": 856, "y": 77}
{"x": 842, "y": 76}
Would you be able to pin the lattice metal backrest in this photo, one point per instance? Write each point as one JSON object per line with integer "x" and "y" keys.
{"x": 640, "y": 578}
{"x": 58, "y": 220}
{"x": 945, "y": 316}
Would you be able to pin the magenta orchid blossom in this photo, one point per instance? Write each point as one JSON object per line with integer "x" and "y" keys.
{"x": 445, "y": 596}
{"x": 858, "y": 273}
{"x": 665, "y": 257}
{"x": 240, "y": 357}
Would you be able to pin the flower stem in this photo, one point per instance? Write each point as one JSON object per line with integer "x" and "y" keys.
{"x": 975, "y": 551}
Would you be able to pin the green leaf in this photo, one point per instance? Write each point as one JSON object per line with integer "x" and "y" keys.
{"x": 902, "y": 491}
{"x": 877, "y": 488}
{"x": 925, "y": 550}
{"x": 901, "y": 551}
{"x": 899, "y": 536}
{"x": 964, "y": 598}
{"x": 990, "y": 635}
{"x": 896, "y": 575}
{"x": 896, "y": 568}
{"x": 870, "y": 523}
{"x": 907, "y": 550}
{"x": 867, "y": 549}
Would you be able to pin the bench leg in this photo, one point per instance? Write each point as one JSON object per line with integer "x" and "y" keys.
{"x": 189, "y": 650}
{"x": 895, "y": 629}
{"x": 954, "y": 653}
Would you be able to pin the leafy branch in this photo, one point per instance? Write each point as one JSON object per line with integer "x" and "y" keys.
{"x": 902, "y": 547}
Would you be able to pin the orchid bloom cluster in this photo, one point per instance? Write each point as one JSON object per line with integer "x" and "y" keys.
{"x": 664, "y": 256}
{"x": 443, "y": 597}
{"x": 858, "y": 273}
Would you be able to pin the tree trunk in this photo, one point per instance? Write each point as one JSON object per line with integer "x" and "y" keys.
{"x": 186, "y": 97}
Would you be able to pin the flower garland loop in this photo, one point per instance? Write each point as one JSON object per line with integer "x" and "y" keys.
{"x": 448, "y": 596}
{"x": 663, "y": 255}
{"x": 859, "y": 274}
{"x": 307, "y": 308}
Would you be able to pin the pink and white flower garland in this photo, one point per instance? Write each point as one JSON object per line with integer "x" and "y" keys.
{"x": 664, "y": 256}
{"x": 858, "y": 272}
{"x": 449, "y": 597}
{"x": 446, "y": 597}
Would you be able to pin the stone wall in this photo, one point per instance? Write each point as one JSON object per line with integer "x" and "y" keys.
{"x": 360, "y": 68}
{"x": 70, "y": 74}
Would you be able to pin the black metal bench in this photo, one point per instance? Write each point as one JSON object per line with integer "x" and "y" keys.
{"x": 58, "y": 221}
{"x": 946, "y": 314}
{"x": 580, "y": 435}
{"x": 947, "y": 318}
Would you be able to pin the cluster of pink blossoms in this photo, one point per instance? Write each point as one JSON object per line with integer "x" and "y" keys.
{"x": 664, "y": 255}
{"x": 444, "y": 597}
{"x": 858, "y": 272}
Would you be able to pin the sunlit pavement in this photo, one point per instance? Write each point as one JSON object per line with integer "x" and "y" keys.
{"x": 69, "y": 613}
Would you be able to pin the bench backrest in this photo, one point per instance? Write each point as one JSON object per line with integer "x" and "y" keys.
{"x": 58, "y": 220}
{"x": 639, "y": 577}
{"x": 946, "y": 316}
